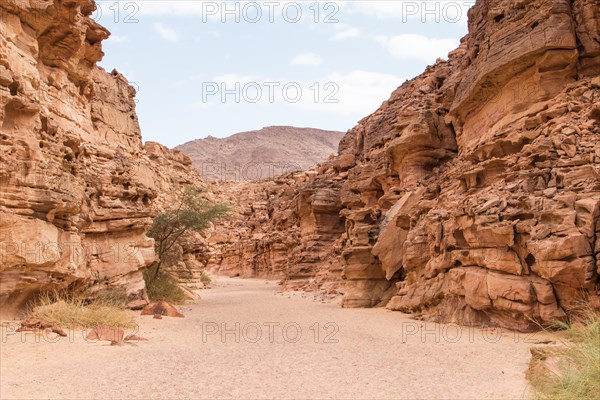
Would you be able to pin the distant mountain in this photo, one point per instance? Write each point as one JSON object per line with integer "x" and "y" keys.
{"x": 261, "y": 154}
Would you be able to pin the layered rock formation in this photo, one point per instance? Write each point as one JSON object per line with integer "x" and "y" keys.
{"x": 262, "y": 154}
{"x": 77, "y": 188}
{"x": 473, "y": 194}
{"x": 485, "y": 171}
{"x": 288, "y": 228}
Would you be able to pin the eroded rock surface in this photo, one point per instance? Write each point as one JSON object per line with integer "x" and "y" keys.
{"x": 77, "y": 188}
{"x": 288, "y": 228}
{"x": 472, "y": 195}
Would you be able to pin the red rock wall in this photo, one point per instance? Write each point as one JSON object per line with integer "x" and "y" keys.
{"x": 473, "y": 194}
{"x": 475, "y": 191}
{"x": 288, "y": 229}
{"x": 77, "y": 189}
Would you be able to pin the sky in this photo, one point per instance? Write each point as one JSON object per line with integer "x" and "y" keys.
{"x": 217, "y": 68}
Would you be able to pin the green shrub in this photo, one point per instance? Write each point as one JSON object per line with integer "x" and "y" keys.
{"x": 163, "y": 287}
{"x": 190, "y": 212}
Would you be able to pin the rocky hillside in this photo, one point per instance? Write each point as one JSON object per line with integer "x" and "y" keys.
{"x": 472, "y": 195}
{"x": 77, "y": 188}
{"x": 262, "y": 154}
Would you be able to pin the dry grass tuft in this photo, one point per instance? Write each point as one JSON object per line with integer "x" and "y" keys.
{"x": 76, "y": 311}
{"x": 205, "y": 278}
{"x": 574, "y": 371}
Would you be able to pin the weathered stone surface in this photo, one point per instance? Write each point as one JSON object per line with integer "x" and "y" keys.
{"x": 162, "y": 308}
{"x": 472, "y": 194}
{"x": 510, "y": 212}
{"x": 77, "y": 188}
{"x": 36, "y": 325}
{"x": 288, "y": 228}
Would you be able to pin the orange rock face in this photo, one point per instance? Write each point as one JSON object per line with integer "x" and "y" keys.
{"x": 485, "y": 172}
{"x": 472, "y": 195}
{"x": 77, "y": 188}
{"x": 288, "y": 229}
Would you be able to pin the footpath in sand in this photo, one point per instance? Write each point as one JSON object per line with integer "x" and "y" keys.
{"x": 243, "y": 340}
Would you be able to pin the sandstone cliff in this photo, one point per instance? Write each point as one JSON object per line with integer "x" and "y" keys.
{"x": 77, "y": 188}
{"x": 261, "y": 154}
{"x": 288, "y": 228}
{"x": 472, "y": 195}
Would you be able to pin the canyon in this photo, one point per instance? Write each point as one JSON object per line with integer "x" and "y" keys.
{"x": 472, "y": 195}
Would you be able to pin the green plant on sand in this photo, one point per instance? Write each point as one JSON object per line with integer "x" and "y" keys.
{"x": 191, "y": 212}
{"x": 163, "y": 287}
{"x": 576, "y": 374}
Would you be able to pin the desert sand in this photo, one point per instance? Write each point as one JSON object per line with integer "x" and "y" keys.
{"x": 357, "y": 354}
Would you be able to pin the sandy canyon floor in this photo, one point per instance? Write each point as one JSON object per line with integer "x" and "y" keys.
{"x": 244, "y": 340}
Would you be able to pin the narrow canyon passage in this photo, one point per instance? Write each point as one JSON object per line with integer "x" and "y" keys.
{"x": 274, "y": 351}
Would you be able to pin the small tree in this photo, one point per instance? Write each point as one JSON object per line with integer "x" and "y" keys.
{"x": 192, "y": 212}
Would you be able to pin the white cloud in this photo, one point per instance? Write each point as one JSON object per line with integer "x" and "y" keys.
{"x": 310, "y": 59}
{"x": 417, "y": 47}
{"x": 166, "y": 33}
{"x": 360, "y": 92}
{"x": 345, "y": 32}
{"x": 355, "y": 94}
{"x": 118, "y": 39}
{"x": 232, "y": 79}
